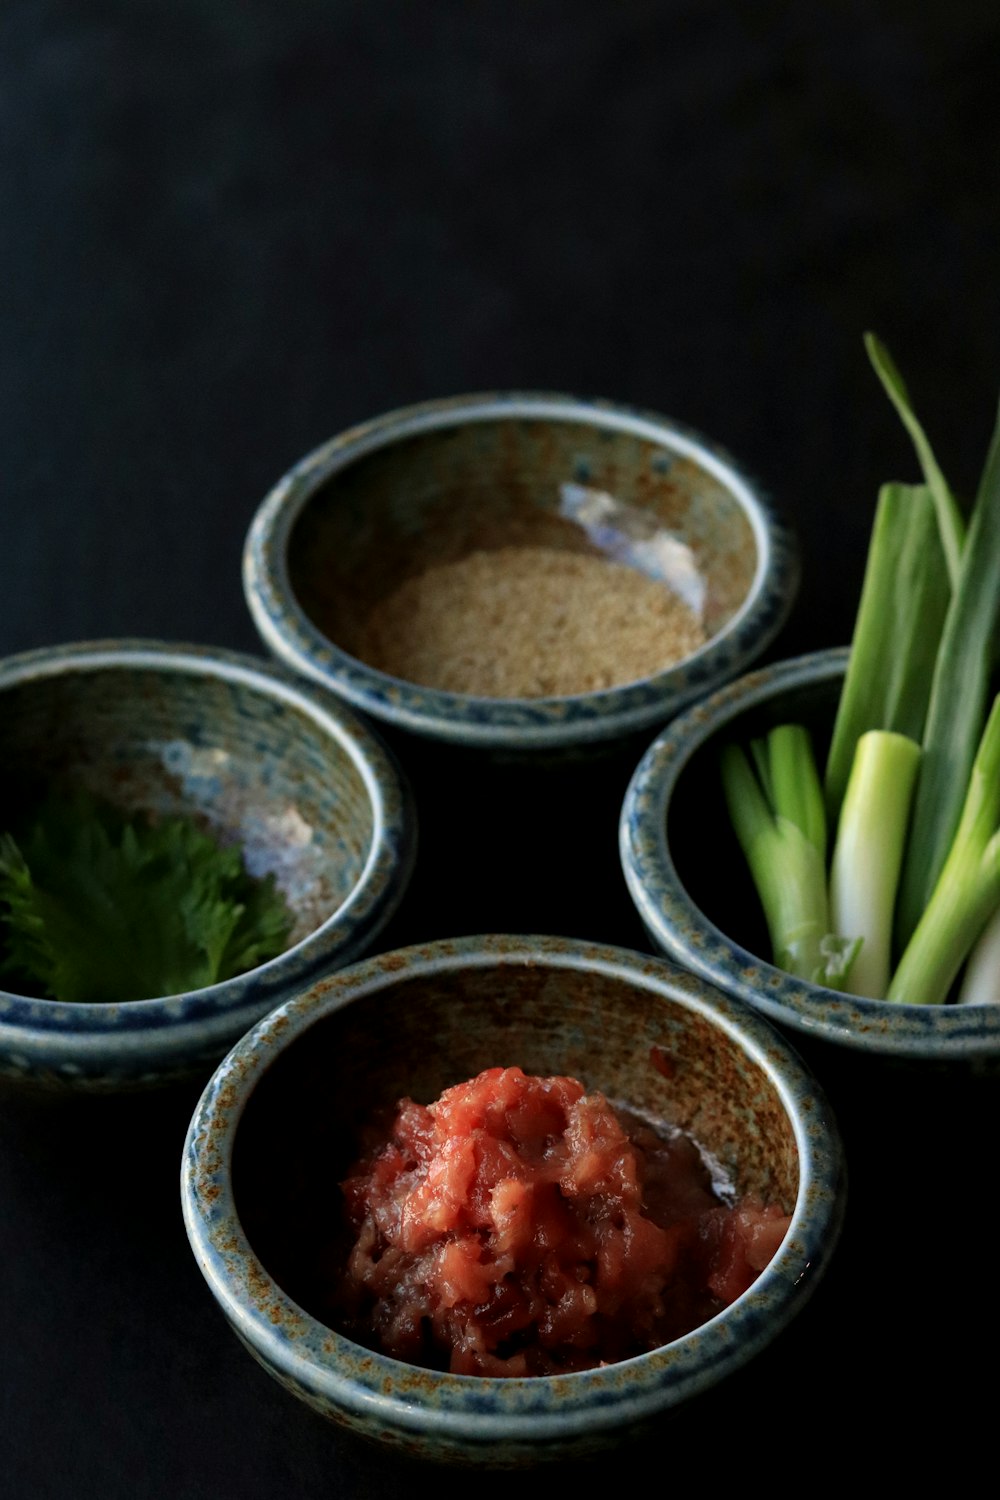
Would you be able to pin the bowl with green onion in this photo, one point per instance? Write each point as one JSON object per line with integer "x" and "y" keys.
{"x": 697, "y": 895}
{"x": 187, "y": 836}
{"x": 822, "y": 837}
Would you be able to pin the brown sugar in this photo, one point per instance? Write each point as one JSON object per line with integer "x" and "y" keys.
{"x": 528, "y": 622}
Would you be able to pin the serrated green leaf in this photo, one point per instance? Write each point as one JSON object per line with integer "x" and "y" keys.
{"x": 95, "y": 907}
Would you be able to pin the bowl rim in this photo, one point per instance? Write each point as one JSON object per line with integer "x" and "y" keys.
{"x": 86, "y": 1030}
{"x": 689, "y": 937}
{"x": 513, "y": 723}
{"x": 332, "y": 1371}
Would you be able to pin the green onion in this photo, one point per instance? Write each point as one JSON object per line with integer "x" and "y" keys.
{"x": 967, "y": 891}
{"x": 792, "y": 781}
{"x": 949, "y": 516}
{"x": 912, "y": 778}
{"x": 869, "y": 852}
{"x": 780, "y": 825}
{"x": 981, "y": 980}
{"x": 904, "y": 599}
{"x": 958, "y": 702}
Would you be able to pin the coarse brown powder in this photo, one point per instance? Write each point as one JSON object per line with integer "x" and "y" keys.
{"x": 528, "y": 622}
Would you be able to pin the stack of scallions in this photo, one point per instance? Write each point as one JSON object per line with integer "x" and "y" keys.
{"x": 907, "y": 906}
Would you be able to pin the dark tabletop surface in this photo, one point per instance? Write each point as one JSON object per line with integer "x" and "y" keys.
{"x": 230, "y": 230}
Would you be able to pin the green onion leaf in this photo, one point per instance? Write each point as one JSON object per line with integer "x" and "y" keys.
{"x": 775, "y": 823}
{"x": 967, "y": 891}
{"x": 795, "y": 790}
{"x": 958, "y": 702}
{"x": 901, "y": 612}
{"x": 949, "y": 516}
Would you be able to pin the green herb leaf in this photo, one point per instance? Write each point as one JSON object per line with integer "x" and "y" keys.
{"x": 94, "y": 907}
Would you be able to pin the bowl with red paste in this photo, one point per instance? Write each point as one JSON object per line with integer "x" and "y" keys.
{"x": 500, "y": 1200}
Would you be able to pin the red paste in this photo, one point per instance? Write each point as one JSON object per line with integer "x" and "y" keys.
{"x": 514, "y": 1228}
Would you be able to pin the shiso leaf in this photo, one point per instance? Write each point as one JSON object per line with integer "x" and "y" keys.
{"x": 97, "y": 908}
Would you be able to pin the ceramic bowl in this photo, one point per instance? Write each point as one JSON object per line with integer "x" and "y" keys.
{"x": 428, "y": 485}
{"x": 689, "y": 881}
{"x": 278, "y": 1119}
{"x": 306, "y": 790}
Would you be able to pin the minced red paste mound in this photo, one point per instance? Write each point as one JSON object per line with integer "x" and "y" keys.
{"x": 514, "y": 1228}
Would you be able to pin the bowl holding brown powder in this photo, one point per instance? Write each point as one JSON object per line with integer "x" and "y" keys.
{"x": 519, "y": 571}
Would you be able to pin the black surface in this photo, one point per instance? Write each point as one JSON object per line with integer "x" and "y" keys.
{"x": 232, "y": 229}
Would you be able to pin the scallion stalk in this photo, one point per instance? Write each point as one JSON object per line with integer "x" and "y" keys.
{"x": 981, "y": 979}
{"x": 779, "y": 821}
{"x": 795, "y": 790}
{"x": 958, "y": 702}
{"x": 925, "y": 643}
{"x": 904, "y": 599}
{"x": 869, "y": 851}
{"x": 967, "y": 891}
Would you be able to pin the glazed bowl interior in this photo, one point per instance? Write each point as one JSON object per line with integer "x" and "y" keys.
{"x": 437, "y": 496}
{"x": 692, "y": 887}
{"x": 250, "y": 769}
{"x": 281, "y": 1122}
{"x": 254, "y": 759}
{"x": 427, "y": 1033}
{"x": 699, "y": 834}
{"x": 430, "y": 486}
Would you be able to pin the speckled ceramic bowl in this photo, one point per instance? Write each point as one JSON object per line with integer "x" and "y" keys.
{"x": 277, "y": 1121}
{"x": 690, "y": 884}
{"x": 307, "y": 791}
{"x": 430, "y": 484}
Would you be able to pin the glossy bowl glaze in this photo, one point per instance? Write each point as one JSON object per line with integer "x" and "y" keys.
{"x": 308, "y": 792}
{"x": 432, "y": 483}
{"x": 688, "y": 878}
{"x": 277, "y": 1122}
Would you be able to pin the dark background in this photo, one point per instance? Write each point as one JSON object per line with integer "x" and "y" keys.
{"x": 228, "y": 231}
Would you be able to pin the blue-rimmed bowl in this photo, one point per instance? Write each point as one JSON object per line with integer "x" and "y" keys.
{"x": 307, "y": 791}
{"x": 689, "y": 881}
{"x": 427, "y": 485}
{"x": 277, "y": 1123}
